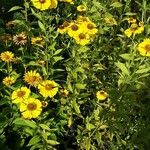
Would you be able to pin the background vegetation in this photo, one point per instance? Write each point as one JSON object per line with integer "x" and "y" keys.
{"x": 110, "y": 62}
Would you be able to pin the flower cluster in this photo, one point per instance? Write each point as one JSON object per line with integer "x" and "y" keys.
{"x": 135, "y": 27}
{"x": 82, "y": 30}
{"x": 29, "y": 106}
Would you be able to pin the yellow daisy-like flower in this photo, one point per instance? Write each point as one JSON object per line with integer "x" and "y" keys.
{"x": 30, "y": 108}
{"x": 110, "y": 21}
{"x": 38, "y": 41}
{"x": 82, "y": 38}
{"x": 44, "y": 4}
{"x": 8, "y": 81}
{"x": 48, "y": 88}
{"x": 63, "y": 28}
{"x": 131, "y": 20}
{"x": 20, "y": 95}
{"x": 32, "y": 78}
{"x": 101, "y": 95}
{"x": 74, "y": 29}
{"x": 90, "y": 28}
{"x": 54, "y": 4}
{"x": 7, "y": 56}
{"x": 81, "y": 8}
{"x": 82, "y": 19}
{"x": 134, "y": 29}
{"x": 144, "y": 47}
{"x": 64, "y": 92}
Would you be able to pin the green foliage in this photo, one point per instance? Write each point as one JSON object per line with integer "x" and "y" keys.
{"x": 111, "y": 62}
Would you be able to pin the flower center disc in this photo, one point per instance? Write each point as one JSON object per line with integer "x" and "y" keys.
{"x": 82, "y": 36}
{"x": 31, "y": 106}
{"x": 49, "y": 87}
{"x": 74, "y": 27}
{"x": 7, "y": 57}
{"x": 90, "y": 26}
{"x": 21, "y": 93}
{"x": 42, "y": 1}
{"x": 147, "y": 47}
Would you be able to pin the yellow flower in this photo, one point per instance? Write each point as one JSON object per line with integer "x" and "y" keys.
{"x": 82, "y": 19}
{"x": 128, "y": 32}
{"x": 144, "y": 47}
{"x": 53, "y": 4}
{"x": 32, "y": 78}
{"x": 20, "y": 95}
{"x": 30, "y": 108}
{"x": 131, "y": 20}
{"x": 74, "y": 29}
{"x": 90, "y": 28}
{"x": 134, "y": 29}
{"x": 48, "y": 88}
{"x": 63, "y": 28}
{"x": 7, "y": 56}
{"x": 8, "y": 81}
{"x": 38, "y": 41}
{"x": 81, "y": 8}
{"x": 44, "y": 4}
{"x": 82, "y": 38}
{"x": 101, "y": 95}
{"x": 110, "y": 21}
{"x": 64, "y": 92}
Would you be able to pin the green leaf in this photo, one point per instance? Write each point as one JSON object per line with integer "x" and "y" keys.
{"x": 52, "y": 142}
{"x": 116, "y": 4}
{"x": 41, "y": 25}
{"x": 23, "y": 122}
{"x": 58, "y": 58}
{"x": 88, "y": 144}
{"x": 36, "y": 139}
{"x": 75, "y": 106}
{"x": 144, "y": 70}
{"x": 15, "y": 8}
{"x": 58, "y": 51}
{"x": 89, "y": 126}
{"x": 123, "y": 68}
{"x": 45, "y": 127}
{"x": 126, "y": 56}
{"x": 80, "y": 86}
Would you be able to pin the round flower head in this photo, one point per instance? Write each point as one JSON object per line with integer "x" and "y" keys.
{"x": 90, "y": 28}
{"x": 38, "y": 41}
{"x": 53, "y": 4}
{"x": 48, "y": 88}
{"x": 44, "y": 4}
{"x": 64, "y": 92}
{"x": 134, "y": 29}
{"x": 63, "y": 28}
{"x": 131, "y": 20}
{"x": 32, "y": 78}
{"x": 7, "y": 56}
{"x": 82, "y": 38}
{"x": 8, "y": 81}
{"x": 20, "y": 95}
{"x": 20, "y": 39}
{"x": 81, "y": 8}
{"x": 144, "y": 47}
{"x": 101, "y": 95}
{"x": 82, "y": 19}
{"x": 110, "y": 21}
{"x": 30, "y": 108}
{"x": 74, "y": 29}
